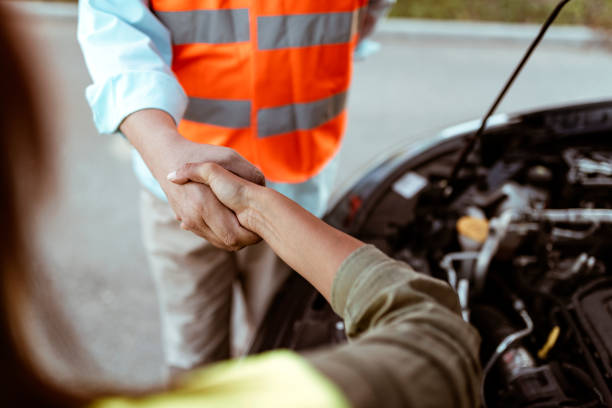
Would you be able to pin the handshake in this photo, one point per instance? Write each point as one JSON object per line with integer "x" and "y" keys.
{"x": 213, "y": 194}
{"x": 225, "y": 204}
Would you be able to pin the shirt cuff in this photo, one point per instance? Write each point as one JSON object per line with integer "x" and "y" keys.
{"x": 119, "y": 96}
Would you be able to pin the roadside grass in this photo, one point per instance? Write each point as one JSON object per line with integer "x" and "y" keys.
{"x": 595, "y": 13}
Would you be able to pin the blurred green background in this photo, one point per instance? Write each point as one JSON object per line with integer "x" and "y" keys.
{"x": 596, "y": 13}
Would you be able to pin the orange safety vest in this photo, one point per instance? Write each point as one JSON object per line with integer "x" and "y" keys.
{"x": 268, "y": 78}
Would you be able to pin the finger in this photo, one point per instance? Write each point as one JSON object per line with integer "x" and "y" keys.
{"x": 205, "y": 232}
{"x": 205, "y": 173}
{"x": 197, "y": 225}
{"x": 229, "y": 189}
{"x": 176, "y": 179}
{"x": 224, "y": 224}
{"x": 198, "y": 172}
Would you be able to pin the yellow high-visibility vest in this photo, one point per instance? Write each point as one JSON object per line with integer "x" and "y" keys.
{"x": 274, "y": 379}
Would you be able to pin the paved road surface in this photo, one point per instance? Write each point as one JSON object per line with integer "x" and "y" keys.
{"x": 89, "y": 239}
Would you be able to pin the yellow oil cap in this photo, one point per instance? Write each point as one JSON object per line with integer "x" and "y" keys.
{"x": 476, "y": 229}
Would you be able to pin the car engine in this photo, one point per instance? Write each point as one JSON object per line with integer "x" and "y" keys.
{"x": 524, "y": 236}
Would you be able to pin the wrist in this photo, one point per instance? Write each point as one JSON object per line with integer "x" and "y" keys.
{"x": 165, "y": 151}
{"x": 256, "y": 216}
{"x": 155, "y": 135}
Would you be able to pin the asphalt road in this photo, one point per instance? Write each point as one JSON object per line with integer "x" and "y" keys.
{"x": 90, "y": 255}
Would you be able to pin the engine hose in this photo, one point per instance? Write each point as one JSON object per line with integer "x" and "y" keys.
{"x": 602, "y": 387}
{"x": 505, "y": 344}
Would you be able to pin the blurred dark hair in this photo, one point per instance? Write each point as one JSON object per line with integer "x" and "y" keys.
{"x": 23, "y": 165}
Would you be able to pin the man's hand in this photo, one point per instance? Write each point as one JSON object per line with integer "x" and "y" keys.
{"x": 164, "y": 150}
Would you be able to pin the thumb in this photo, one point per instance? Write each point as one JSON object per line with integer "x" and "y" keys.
{"x": 173, "y": 177}
{"x": 229, "y": 188}
{"x": 197, "y": 172}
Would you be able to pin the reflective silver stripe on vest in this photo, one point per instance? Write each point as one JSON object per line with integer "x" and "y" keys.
{"x": 301, "y": 30}
{"x": 206, "y": 26}
{"x": 219, "y": 112}
{"x": 299, "y": 116}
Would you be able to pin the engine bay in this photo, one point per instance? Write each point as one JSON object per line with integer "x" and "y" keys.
{"x": 524, "y": 237}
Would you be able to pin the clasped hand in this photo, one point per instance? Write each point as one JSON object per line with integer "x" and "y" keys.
{"x": 231, "y": 191}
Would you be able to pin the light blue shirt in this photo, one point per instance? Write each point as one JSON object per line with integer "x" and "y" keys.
{"x": 128, "y": 53}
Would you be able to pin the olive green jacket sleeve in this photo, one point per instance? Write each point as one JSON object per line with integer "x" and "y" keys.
{"x": 409, "y": 346}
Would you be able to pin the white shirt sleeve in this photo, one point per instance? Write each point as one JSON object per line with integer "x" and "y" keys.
{"x": 128, "y": 53}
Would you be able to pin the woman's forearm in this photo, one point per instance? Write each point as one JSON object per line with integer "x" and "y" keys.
{"x": 310, "y": 246}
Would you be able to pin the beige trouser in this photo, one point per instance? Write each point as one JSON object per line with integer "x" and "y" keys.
{"x": 211, "y": 301}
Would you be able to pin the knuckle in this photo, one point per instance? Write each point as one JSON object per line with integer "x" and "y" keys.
{"x": 241, "y": 190}
{"x": 187, "y": 168}
{"x": 205, "y": 168}
{"x": 235, "y": 248}
{"x": 189, "y": 224}
{"x": 209, "y": 167}
{"x": 231, "y": 240}
{"x": 247, "y": 217}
